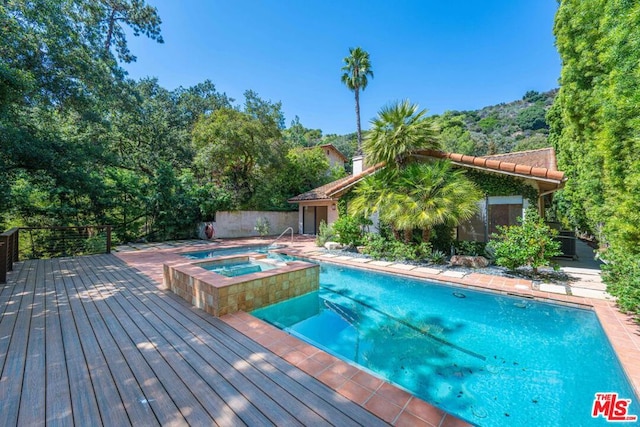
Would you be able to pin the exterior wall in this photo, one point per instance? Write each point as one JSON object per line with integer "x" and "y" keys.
{"x": 332, "y": 212}
{"x": 229, "y": 224}
{"x": 219, "y": 295}
{"x": 334, "y": 158}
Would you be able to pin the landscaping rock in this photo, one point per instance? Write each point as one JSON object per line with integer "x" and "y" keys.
{"x": 469, "y": 261}
{"x": 332, "y": 246}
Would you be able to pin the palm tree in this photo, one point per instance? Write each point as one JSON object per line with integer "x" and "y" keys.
{"x": 420, "y": 196}
{"x": 411, "y": 195}
{"x": 430, "y": 194}
{"x": 356, "y": 70}
{"x": 399, "y": 129}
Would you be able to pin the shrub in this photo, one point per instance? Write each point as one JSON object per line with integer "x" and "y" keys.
{"x": 621, "y": 273}
{"x": 376, "y": 246}
{"x": 464, "y": 247}
{"x": 348, "y": 230}
{"x": 394, "y": 250}
{"x": 325, "y": 233}
{"x": 438, "y": 257}
{"x": 263, "y": 227}
{"x": 442, "y": 238}
{"x": 399, "y": 251}
{"x": 530, "y": 243}
{"x": 532, "y": 118}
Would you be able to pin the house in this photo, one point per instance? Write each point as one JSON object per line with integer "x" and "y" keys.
{"x": 335, "y": 157}
{"x": 533, "y": 174}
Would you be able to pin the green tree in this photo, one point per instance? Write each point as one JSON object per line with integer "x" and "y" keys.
{"x": 58, "y": 97}
{"x": 240, "y": 149}
{"x": 299, "y": 136}
{"x": 533, "y": 96}
{"x": 533, "y": 118}
{"x": 594, "y": 128}
{"x": 454, "y": 135}
{"x": 399, "y": 129}
{"x": 138, "y": 16}
{"x": 357, "y": 70}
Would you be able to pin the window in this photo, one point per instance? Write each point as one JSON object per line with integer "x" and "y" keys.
{"x": 492, "y": 212}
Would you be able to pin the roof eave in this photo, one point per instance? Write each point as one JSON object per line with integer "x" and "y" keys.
{"x": 518, "y": 175}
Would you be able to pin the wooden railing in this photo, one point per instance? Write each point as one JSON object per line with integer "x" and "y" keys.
{"x": 50, "y": 242}
{"x": 9, "y": 247}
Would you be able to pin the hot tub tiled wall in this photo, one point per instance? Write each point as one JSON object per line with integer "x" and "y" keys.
{"x": 219, "y": 295}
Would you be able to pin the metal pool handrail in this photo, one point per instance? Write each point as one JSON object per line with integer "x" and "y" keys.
{"x": 282, "y": 234}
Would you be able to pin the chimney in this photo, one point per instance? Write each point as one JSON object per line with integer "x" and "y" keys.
{"x": 358, "y": 164}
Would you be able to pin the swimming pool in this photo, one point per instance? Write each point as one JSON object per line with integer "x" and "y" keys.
{"x": 490, "y": 359}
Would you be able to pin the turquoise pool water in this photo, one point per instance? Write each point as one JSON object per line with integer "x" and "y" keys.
{"x": 239, "y": 268}
{"x": 492, "y": 360}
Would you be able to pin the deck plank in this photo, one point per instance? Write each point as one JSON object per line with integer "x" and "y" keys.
{"x": 196, "y": 370}
{"x": 11, "y": 300}
{"x": 83, "y": 399}
{"x": 19, "y": 319}
{"x": 156, "y": 395}
{"x": 111, "y": 407}
{"x": 133, "y": 399}
{"x": 151, "y": 349}
{"x": 32, "y": 403}
{"x": 58, "y": 395}
{"x": 92, "y": 341}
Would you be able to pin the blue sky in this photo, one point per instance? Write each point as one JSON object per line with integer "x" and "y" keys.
{"x": 442, "y": 55}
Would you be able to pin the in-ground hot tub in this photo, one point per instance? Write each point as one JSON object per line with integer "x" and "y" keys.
{"x": 239, "y": 283}
{"x": 240, "y": 266}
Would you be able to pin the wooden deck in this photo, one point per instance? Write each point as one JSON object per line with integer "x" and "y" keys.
{"x": 91, "y": 341}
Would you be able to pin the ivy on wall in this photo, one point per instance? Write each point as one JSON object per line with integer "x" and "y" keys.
{"x": 344, "y": 202}
{"x": 503, "y": 185}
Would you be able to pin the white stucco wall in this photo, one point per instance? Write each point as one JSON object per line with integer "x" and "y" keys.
{"x": 230, "y": 224}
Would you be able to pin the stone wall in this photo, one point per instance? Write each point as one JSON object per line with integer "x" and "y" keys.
{"x": 219, "y": 295}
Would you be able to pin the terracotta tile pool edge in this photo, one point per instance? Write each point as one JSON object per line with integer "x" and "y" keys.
{"x": 392, "y": 404}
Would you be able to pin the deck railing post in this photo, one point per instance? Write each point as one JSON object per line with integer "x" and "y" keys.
{"x": 9, "y": 243}
{"x": 108, "y": 239}
{"x": 16, "y": 245}
{"x": 3, "y": 261}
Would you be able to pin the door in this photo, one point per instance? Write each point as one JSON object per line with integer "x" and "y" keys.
{"x": 311, "y": 218}
{"x": 321, "y": 215}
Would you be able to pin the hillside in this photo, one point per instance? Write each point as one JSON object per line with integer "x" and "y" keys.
{"x": 513, "y": 126}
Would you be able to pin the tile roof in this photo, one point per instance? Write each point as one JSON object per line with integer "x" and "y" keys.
{"x": 538, "y": 165}
{"x": 541, "y": 158}
{"x": 533, "y": 164}
{"x": 327, "y": 191}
